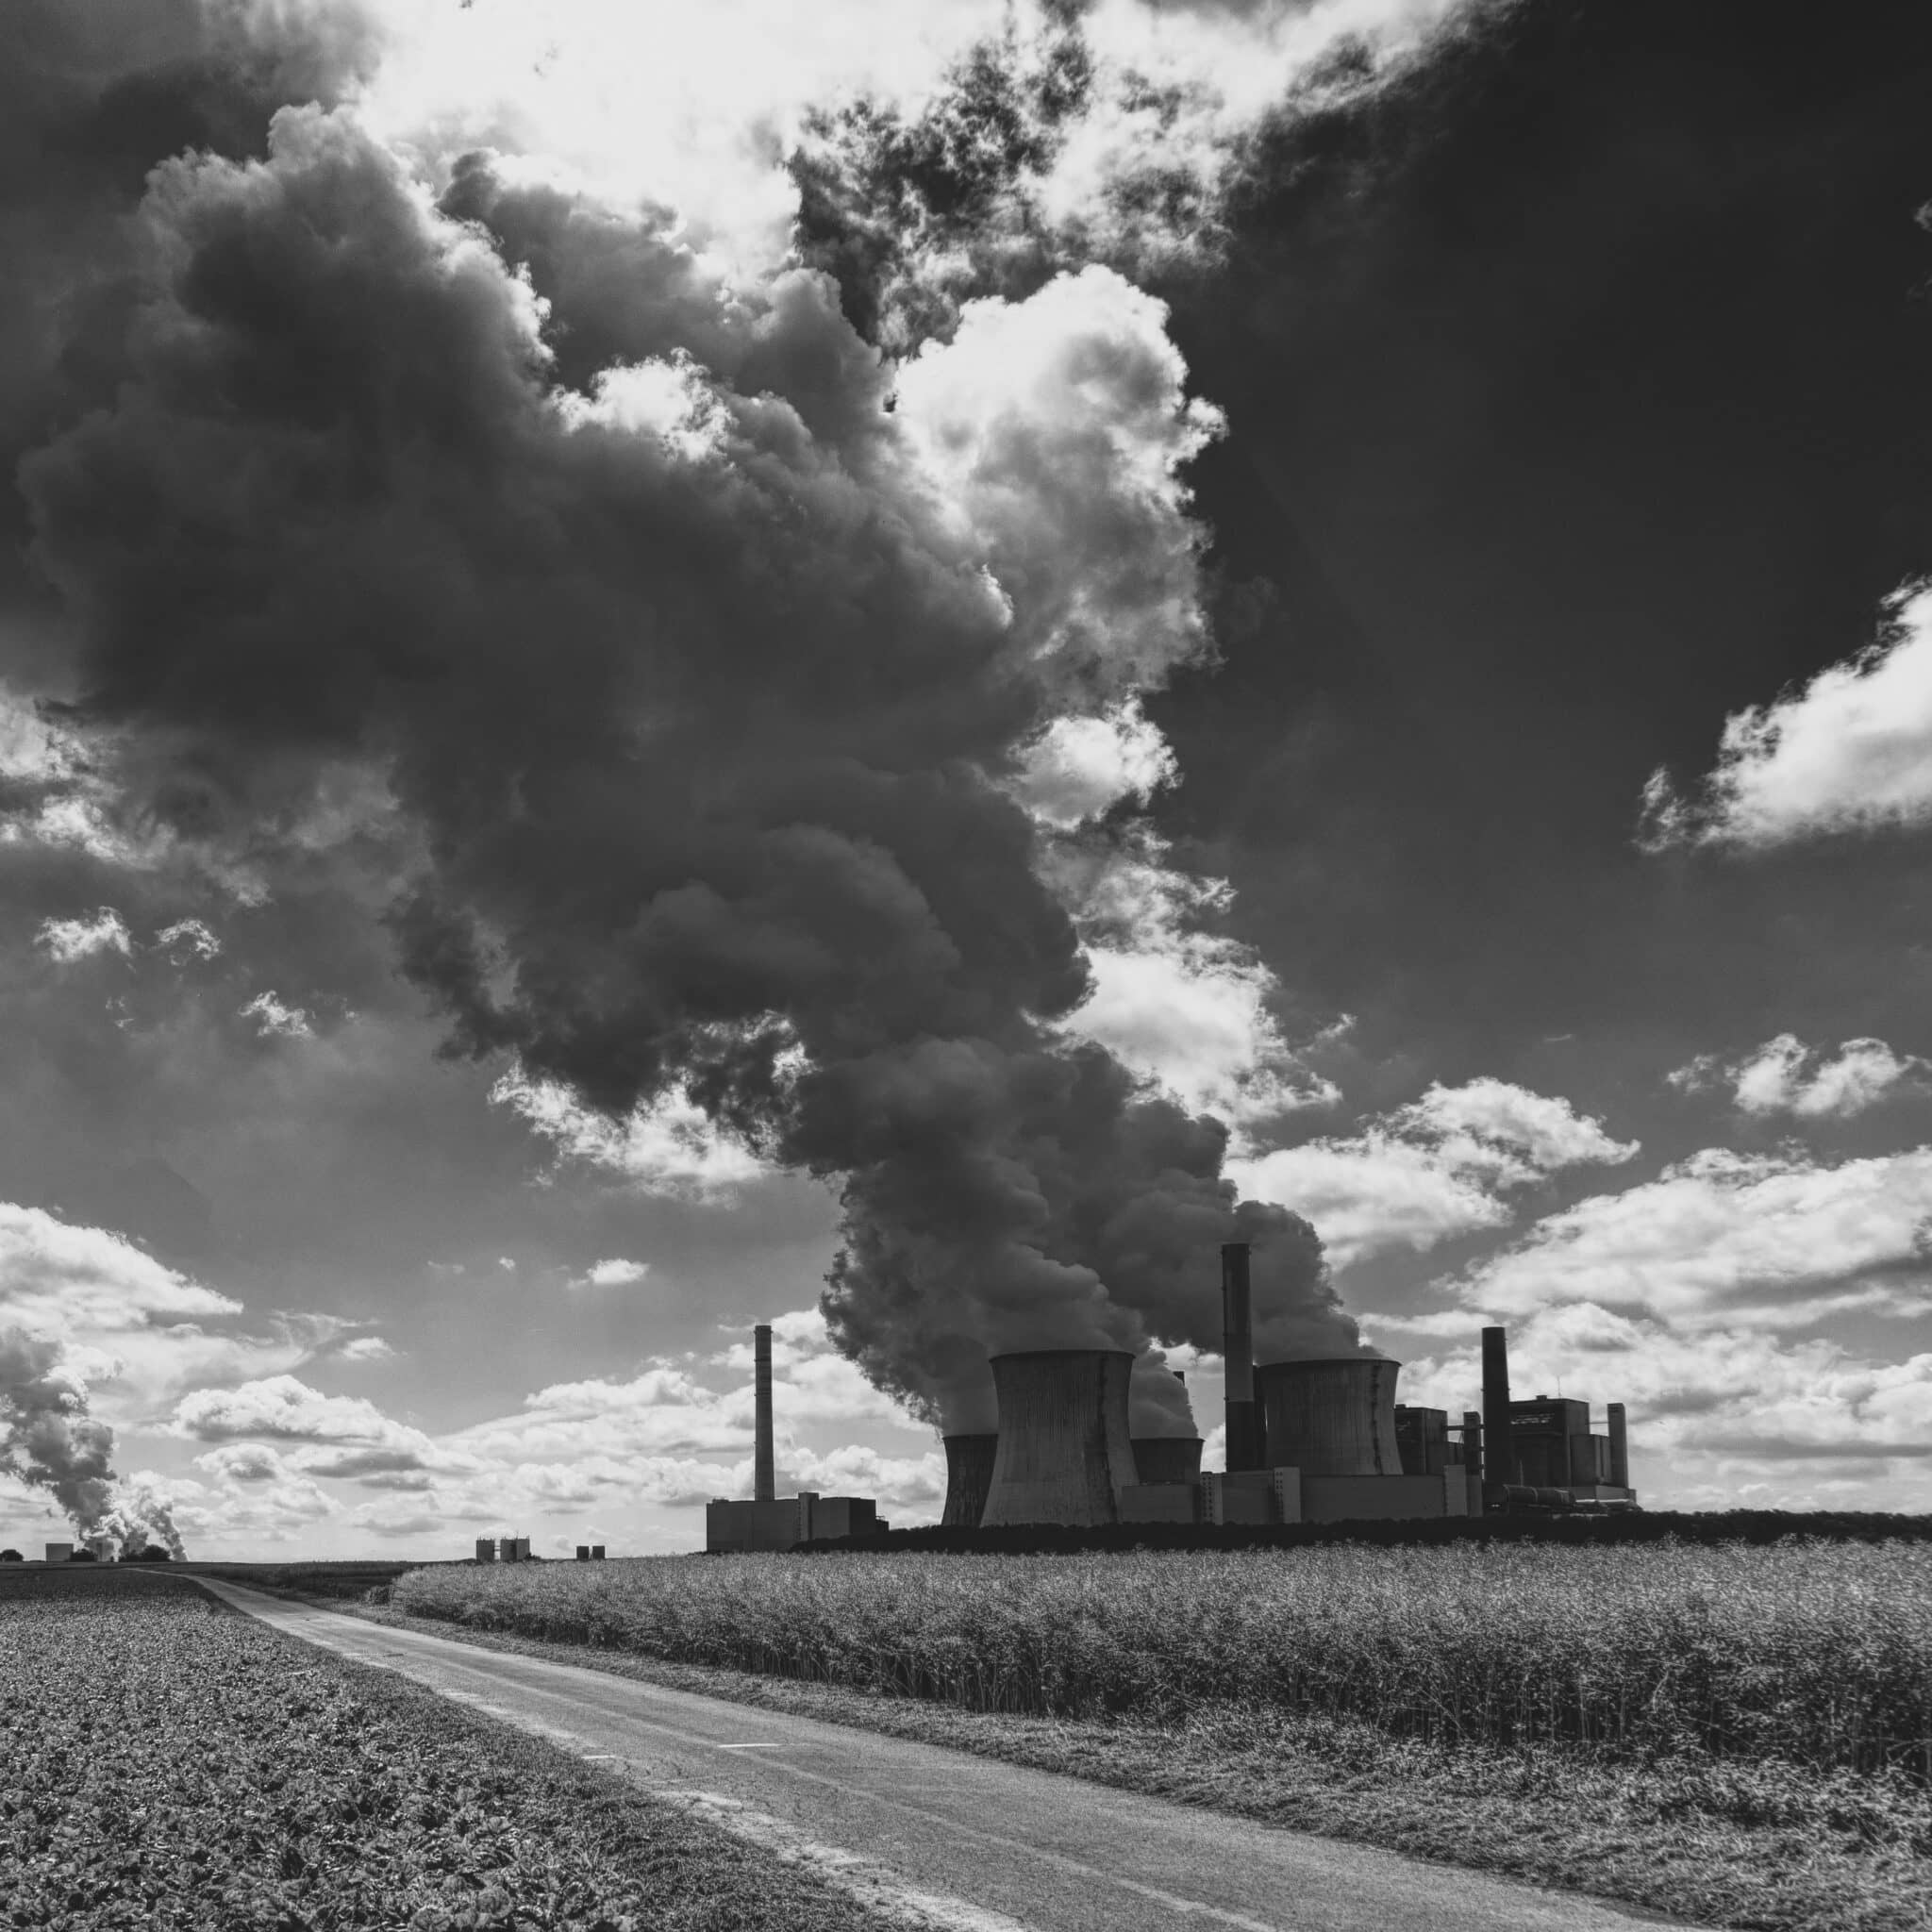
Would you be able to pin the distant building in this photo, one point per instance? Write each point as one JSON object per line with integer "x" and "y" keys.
{"x": 786, "y": 1522}
{"x": 59, "y": 1552}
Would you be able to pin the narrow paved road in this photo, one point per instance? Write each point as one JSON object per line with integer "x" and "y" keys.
{"x": 942, "y": 1839}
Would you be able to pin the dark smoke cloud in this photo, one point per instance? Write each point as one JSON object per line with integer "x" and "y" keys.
{"x": 638, "y": 597}
{"x": 49, "y": 1442}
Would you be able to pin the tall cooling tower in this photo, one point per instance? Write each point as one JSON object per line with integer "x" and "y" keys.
{"x": 1168, "y": 1459}
{"x": 1064, "y": 1449}
{"x": 1330, "y": 1416}
{"x": 969, "y": 1471}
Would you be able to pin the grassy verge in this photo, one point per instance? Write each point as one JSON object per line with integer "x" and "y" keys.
{"x": 170, "y": 1763}
{"x": 1765, "y": 1845}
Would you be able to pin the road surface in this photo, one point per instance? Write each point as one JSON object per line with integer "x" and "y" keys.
{"x": 939, "y": 1839}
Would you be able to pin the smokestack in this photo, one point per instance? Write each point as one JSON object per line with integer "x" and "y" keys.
{"x": 1473, "y": 1448}
{"x": 969, "y": 1474}
{"x": 1064, "y": 1450}
{"x": 1237, "y": 1347}
{"x": 1168, "y": 1459}
{"x": 764, "y": 1482}
{"x": 1620, "y": 1445}
{"x": 1499, "y": 1464}
{"x": 1331, "y": 1417}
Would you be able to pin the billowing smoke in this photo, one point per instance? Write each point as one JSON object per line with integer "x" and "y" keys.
{"x": 49, "y": 1442}
{"x": 701, "y": 649}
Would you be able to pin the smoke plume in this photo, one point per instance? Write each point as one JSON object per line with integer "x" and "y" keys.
{"x": 701, "y": 647}
{"x": 49, "y": 1442}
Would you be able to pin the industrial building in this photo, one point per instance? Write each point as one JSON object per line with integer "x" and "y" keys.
{"x": 504, "y": 1549}
{"x": 1313, "y": 1440}
{"x": 768, "y": 1520}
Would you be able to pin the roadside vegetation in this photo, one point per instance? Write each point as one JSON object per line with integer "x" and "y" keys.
{"x": 165, "y": 1761}
{"x": 1737, "y": 1736}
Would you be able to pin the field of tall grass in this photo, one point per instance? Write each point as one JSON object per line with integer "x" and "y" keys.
{"x": 1817, "y": 1654}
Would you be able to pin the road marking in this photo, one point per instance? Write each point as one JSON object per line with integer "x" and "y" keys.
{"x": 876, "y": 1887}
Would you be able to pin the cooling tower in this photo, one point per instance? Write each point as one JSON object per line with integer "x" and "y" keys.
{"x": 1620, "y": 1445}
{"x": 1330, "y": 1416}
{"x": 1238, "y": 1348}
{"x": 1063, "y": 1446}
{"x": 968, "y": 1471}
{"x": 1168, "y": 1459}
{"x": 764, "y": 1482}
{"x": 1499, "y": 1458}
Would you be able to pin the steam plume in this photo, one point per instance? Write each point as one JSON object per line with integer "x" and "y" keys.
{"x": 701, "y": 649}
{"x": 49, "y": 1442}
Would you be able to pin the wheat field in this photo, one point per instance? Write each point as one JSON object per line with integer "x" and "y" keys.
{"x": 1816, "y": 1653}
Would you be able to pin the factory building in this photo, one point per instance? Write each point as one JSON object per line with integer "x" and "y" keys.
{"x": 1309, "y": 1440}
{"x": 505, "y": 1549}
{"x": 59, "y": 1552}
{"x": 768, "y": 1520}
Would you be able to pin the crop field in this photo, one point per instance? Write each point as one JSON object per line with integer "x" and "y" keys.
{"x": 1818, "y": 1654}
{"x": 167, "y": 1762}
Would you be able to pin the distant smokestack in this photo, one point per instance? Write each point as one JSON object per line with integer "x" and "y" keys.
{"x": 1499, "y": 1463}
{"x": 1064, "y": 1451}
{"x": 1619, "y": 1446}
{"x": 1168, "y": 1459}
{"x": 969, "y": 1474}
{"x": 1331, "y": 1417}
{"x": 764, "y": 1481}
{"x": 1237, "y": 1347}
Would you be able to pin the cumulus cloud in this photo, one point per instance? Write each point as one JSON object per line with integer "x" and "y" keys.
{"x": 615, "y": 1273}
{"x": 667, "y": 1145}
{"x": 272, "y": 1020}
{"x": 1784, "y": 1075}
{"x": 1781, "y": 1239}
{"x": 283, "y": 1409}
{"x": 68, "y": 940}
{"x": 1850, "y": 751}
{"x": 1436, "y": 1169}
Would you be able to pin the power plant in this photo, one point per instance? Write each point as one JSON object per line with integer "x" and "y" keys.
{"x": 768, "y": 1520}
{"x": 1316, "y": 1439}
{"x": 1311, "y": 1439}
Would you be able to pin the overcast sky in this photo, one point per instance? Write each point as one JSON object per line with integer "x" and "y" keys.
{"x": 657, "y": 663}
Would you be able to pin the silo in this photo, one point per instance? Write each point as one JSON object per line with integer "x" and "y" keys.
{"x": 1620, "y": 1445}
{"x": 1168, "y": 1459}
{"x": 1330, "y": 1416}
{"x": 1064, "y": 1450}
{"x": 969, "y": 1471}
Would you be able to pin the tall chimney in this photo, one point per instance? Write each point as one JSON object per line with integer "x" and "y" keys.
{"x": 1619, "y": 1446}
{"x": 1237, "y": 1346}
{"x": 1473, "y": 1442}
{"x": 1499, "y": 1461}
{"x": 764, "y": 1482}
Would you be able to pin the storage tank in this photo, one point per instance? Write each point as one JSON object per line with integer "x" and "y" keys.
{"x": 1168, "y": 1459}
{"x": 1330, "y": 1416}
{"x": 1064, "y": 1450}
{"x": 968, "y": 1471}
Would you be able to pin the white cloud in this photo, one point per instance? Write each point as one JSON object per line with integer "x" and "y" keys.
{"x": 188, "y": 939}
{"x": 284, "y": 1408}
{"x": 1185, "y": 1006}
{"x": 1850, "y": 751}
{"x": 1779, "y": 1238}
{"x": 1784, "y": 1075}
{"x": 275, "y": 1020}
{"x": 1430, "y": 1171}
{"x": 666, "y": 1146}
{"x": 1080, "y": 768}
{"x": 612, "y": 1273}
{"x": 366, "y": 1348}
{"x": 68, "y": 940}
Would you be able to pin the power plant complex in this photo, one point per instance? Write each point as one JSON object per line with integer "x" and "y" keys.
{"x": 1312, "y": 1439}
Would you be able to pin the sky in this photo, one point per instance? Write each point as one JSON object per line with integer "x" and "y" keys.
{"x": 668, "y": 668}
